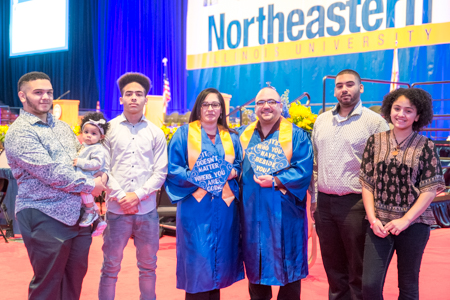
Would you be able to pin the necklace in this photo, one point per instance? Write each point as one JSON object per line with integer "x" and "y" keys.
{"x": 397, "y": 148}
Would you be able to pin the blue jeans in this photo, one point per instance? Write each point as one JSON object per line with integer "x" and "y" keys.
{"x": 145, "y": 229}
{"x": 378, "y": 252}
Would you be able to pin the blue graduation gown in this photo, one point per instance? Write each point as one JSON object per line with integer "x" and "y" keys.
{"x": 208, "y": 244}
{"x": 274, "y": 226}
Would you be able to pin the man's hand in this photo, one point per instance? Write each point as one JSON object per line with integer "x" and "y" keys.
{"x": 233, "y": 174}
{"x": 129, "y": 202}
{"x": 75, "y": 162}
{"x": 264, "y": 180}
{"x": 313, "y": 210}
{"x": 131, "y": 211}
{"x": 99, "y": 187}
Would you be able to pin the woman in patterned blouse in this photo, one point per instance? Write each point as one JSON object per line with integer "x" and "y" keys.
{"x": 400, "y": 175}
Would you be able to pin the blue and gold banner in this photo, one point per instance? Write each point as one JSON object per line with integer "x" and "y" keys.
{"x": 226, "y": 33}
{"x": 238, "y": 45}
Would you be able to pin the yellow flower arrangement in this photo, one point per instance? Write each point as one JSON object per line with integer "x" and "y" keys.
{"x": 169, "y": 132}
{"x": 76, "y": 130}
{"x": 302, "y": 116}
{"x": 233, "y": 125}
{"x": 3, "y": 130}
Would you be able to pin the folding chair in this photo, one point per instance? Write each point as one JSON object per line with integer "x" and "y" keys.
{"x": 167, "y": 212}
{"x": 9, "y": 232}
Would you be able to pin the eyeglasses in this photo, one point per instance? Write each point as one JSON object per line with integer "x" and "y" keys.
{"x": 271, "y": 102}
{"x": 213, "y": 105}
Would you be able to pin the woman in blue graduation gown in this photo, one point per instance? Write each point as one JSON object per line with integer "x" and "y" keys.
{"x": 208, "y": 250}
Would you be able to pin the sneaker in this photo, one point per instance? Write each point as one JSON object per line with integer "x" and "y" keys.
{"x": 88, "y": 218}
{"x": 100, "y": 228}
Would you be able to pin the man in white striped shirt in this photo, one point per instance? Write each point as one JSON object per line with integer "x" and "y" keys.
{"x": 137, "y": 167}
{"x": 339, "y": 138}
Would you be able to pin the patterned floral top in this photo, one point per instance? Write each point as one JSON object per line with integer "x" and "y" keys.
{"x": 396, "y": 182}
{"x": 40, "y": 156}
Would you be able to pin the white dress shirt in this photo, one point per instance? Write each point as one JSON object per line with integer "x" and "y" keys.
{"x": 137, "y": 162}
{"x": 338, "y": 148}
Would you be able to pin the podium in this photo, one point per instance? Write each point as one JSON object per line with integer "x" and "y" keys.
{"x": 154, "y": 110}
{"x": 67, "y": 111}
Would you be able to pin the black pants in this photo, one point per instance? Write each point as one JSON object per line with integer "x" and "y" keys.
{"x": 290, "y": 291}
{"x": 409, "y": 245}
{"x": 210, "y": 295}
{"x": 58, "y": 254}
{"x": 341, "y": 227}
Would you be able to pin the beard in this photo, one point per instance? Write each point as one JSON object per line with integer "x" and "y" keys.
{"x": 353, "y": 99}
{"x": 34, "y": 107}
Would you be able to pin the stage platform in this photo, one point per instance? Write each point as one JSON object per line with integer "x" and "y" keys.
{"x": 16, "y": 272}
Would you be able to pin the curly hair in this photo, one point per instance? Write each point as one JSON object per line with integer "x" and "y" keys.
{"x": 95, "y": 116}
{"x": 127, "y": 78}
{"x": 419, "y": 98}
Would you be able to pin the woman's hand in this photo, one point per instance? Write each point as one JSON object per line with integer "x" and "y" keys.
{"x": 75, "y": 162}
{"x": 379, "y": 230}
{"x": 233, "y": 174}
{"x": 396, "y": 226}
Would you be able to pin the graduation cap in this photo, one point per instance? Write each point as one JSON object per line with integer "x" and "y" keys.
{"x": 210, "y": 172}
{"x": 267, "y": 157}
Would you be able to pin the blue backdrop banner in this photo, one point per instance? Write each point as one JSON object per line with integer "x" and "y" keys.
{"x": 237, "y": 46}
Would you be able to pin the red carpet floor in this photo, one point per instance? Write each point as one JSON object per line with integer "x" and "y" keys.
{"x": 15, "y": 273}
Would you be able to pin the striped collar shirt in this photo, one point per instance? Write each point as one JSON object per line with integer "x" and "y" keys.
{"x": 137, "y": 162}
{"x": 338, "y": 147}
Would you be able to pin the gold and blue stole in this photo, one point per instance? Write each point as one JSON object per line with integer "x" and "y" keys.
{"x": 284, "y": 137}
{"x": 194, "y": 147}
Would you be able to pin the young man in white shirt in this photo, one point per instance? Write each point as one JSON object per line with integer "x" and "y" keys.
{"x": 138, "y": 167}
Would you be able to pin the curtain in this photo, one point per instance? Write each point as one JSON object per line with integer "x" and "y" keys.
{"x": 69, "y": 70}
{"x": 134, "y": 36}
{"x": 106, "y": 39}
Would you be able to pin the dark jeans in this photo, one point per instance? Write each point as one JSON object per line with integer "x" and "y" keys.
{"x": 210, "y": 295}
{"x": 341, "y": 227}
{"x": 290, "y": 291}
{"x": 378, "y": 252}
{"x": 58, "y": 254}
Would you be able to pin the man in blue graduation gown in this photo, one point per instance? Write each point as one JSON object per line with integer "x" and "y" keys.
{"x": 273, "y": 208}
